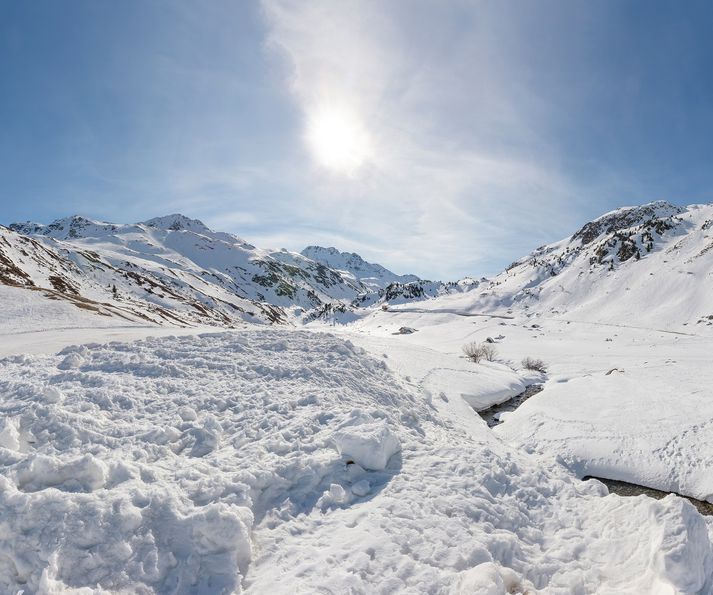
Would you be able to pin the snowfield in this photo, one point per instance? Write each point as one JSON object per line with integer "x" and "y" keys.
{"x": 25, "y": 311}
{"x": 283, "y": 461}
{"x": 619, "y": 402}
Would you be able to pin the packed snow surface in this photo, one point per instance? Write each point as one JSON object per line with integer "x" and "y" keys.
{"x": 280, "y": 461}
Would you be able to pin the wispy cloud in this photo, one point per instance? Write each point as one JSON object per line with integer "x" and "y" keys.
{"x": 453, "y": 156}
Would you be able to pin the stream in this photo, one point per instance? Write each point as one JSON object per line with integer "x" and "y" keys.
{"x": 623, "y": 488}
{"x": 491, "y": 415}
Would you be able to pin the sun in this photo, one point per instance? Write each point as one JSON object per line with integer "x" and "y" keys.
{"x": 338, "y": 140}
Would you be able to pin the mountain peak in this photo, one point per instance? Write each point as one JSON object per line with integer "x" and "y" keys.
{"x": 351, "y": 264}
{"x": 176, "y": 222}
{"x": 625, "y": 217}
{"x": 331, "y": 252}
{"x": 64, "y": 228}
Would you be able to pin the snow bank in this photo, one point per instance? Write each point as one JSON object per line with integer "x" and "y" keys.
{"x": 142, "y": 467}
{"x": 649, "y": 425}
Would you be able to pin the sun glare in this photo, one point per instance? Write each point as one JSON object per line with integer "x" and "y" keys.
{"x": 338, "y": 140}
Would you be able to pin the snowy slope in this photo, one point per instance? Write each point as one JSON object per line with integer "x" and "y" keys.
{"x": 77, "y": 271}
{"x": 354, "y": 267}
{"x": 35, "y": 311}
{"x": 650, "y": 265}
{"x": 287, "y": 462}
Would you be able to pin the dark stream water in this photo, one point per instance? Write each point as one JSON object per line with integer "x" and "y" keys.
{"x": 492, "y": 414}
{"x": 623, "y": 488}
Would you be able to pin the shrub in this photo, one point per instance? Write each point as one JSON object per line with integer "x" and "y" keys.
{"x": 490, "y": 353}
{"x": 477, "y": 352}
{"x": 530, "y": 363}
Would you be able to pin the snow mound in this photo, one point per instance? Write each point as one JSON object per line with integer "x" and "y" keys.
{"x": 370, "y": 445}
{"x": 587, "y": 422}
{"x": 143, "y": 467}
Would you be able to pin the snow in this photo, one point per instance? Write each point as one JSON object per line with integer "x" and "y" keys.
{"x": 32, "y": 323}
{"x": 350, "y": 457}
{"x": 25, "y": 311}
{"x": 648, "y": 422}
{"x": 668, "y": 286}
{"x": 619, "y": 402}
{"x": 137, "y": 436}
{"x": 368, "y": 443}
{"x": 212, "y": 464}
{"x": 168, "y": 270}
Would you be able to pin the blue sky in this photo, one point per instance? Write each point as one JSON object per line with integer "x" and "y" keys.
{"x": 478, "y": 129}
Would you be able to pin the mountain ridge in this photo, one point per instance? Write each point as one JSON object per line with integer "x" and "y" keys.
{"x": 644, "y": 263}
{"x": 171, "y": 268}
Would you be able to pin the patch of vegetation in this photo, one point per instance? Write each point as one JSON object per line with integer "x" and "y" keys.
{"x": 530, "y": 363}
{"x": 477, "y": 352}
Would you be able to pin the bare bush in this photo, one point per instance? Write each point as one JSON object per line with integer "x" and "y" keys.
{"x": 477, "y": 352}
{"x": 489, "y": 352}
{"x": 473, "y": 351}
{"x": 530, "y": 363}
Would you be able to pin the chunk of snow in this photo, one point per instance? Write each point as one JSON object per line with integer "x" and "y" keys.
{"x": 84, "y": 474}
{"x": 361, "y": 488}
{"x": 187, "y": 414}
{"x": 354, "y": 471}
{"x": 206, "y": 439}
{"x": 73, "y": 360}
{"x": 371, "y": 445}
{"x": 489, "y": 578}
{"x": 52, "y": 394}
{"x": 9, "y": 435}
{"x": 336, "y": 494}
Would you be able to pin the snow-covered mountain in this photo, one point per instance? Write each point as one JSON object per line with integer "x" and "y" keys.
{"x": 650, "y": 263}
{"x": 384, "y": 286}
{"x": 168, "y": 269}
{"x": 354, "y": 268}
